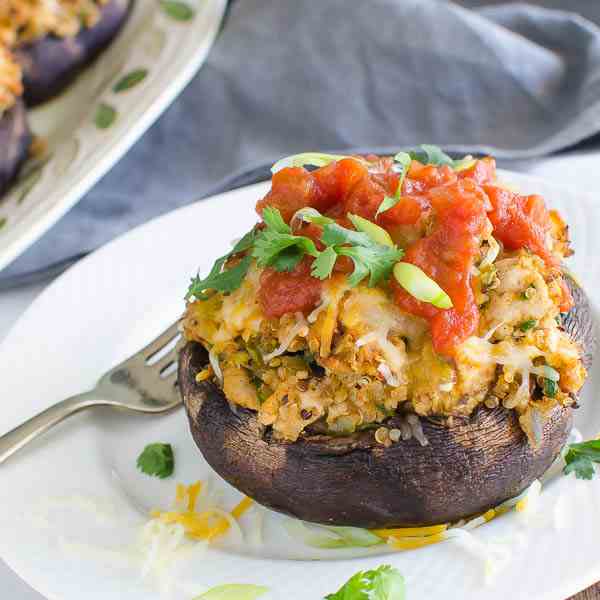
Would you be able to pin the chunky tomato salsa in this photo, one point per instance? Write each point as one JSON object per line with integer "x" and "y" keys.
{"x": 443, "y": 217}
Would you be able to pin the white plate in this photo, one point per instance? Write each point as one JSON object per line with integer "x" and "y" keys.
{"x": 79, "y": 152}
{"x": 117, "y": 299}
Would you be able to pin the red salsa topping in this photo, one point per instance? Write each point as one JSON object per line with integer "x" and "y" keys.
{"x": 451, "y": 208}
{"x": 447, "y": 255}
{"x": 283, "y": 292}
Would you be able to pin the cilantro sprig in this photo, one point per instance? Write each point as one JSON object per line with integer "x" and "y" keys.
{"x": 580, "y": 459}
{"x": 277, "y": 247}
{"x": 371, "y": 250}
{"x": 222, "y": 278}
{"x": 157, "y": 460}
{"x": 383, "y": 583}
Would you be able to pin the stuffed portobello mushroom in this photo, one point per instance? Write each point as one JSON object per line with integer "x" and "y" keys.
{"x": 394, "y": 344}
{"x": 15, "y": 137}
{"x": 54, "y": 39}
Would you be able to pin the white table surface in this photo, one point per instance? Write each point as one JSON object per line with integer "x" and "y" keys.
{"x": 581, "y": 170}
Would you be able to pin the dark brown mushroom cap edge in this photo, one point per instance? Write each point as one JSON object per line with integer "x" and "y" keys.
{"x": 15, "y": 139}
{"x": 473, "y": 465}
{"x": 51, "y": 63}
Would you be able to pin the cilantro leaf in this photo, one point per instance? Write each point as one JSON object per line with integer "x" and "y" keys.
{"x": 335, "y": 235}
{"x": 580, "y": 459}
{"x": 244, "y": 243}
{"x": 376, "y": 261}
{"x": 428, "y": 154}
{"x": 226, "y": 280}
{"x": 383, "y": 583}
{"x": 274, "y": 221}
{"x": 582, "y": 466}
{"x": 323, "y": 265}
{"x": 288, "y": 259}
{"x": 370, "y": 258}
{"x": 270, "y": 244}
{"x": 157, "y": 460}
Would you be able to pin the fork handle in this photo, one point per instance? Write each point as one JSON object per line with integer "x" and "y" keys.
{"x": 27, "y": 432}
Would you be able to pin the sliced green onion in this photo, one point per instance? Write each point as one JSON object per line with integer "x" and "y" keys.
{"x": 420, "y": 285}
{"x": 355, "y": 536}
{"x": 463, "y": 164}
{"x": 314, "y": 536}
{"x": 387, "y": 203}
{"x": 314, "y": 159}
{"x": 547, "y": 372}
{"x": 376, "y": 233}
{"x": 550, "y": 388}
{"x": 234, "y": 591}
{"x": 311, "y": 215}
{"x": 403, "y": 159}
{"x": 527, "y": 325}
{"x": 318, "y": 536}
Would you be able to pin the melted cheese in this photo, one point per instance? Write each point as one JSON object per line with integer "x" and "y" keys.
{"x": 371, "y": 317}
{"x": 240, "y": 313}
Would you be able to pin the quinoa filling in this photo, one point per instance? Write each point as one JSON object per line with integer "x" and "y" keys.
{"x": 23, "y": 21}
{"x": 351, "y": 355}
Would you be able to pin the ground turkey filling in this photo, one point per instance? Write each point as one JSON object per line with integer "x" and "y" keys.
{"x": 339, "y": 359}
{"x": 23, "y": 21}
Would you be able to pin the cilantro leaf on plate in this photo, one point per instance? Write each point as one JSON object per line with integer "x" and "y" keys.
{"x": 580, "y": 459}
{"x": 157, "y": 460}
{"x": 383, "y": 583}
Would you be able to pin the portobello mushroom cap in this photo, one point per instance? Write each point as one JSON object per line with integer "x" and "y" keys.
{"x": 15, "y": 139}
{"x": 51, "y": 63}
{"x": 468, "y": 467}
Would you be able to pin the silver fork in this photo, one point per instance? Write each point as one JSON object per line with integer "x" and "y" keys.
{"x": 145, "y": 383}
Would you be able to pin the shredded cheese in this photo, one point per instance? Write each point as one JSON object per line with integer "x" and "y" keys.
{"x": 207, "y": 524}
{"x": 405, "y": 532}
{"x": 299, "y": 328}
{"x": 214, "y": 363}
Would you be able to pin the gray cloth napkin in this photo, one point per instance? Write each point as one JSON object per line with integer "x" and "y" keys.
{"x": 517, "y": 80}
